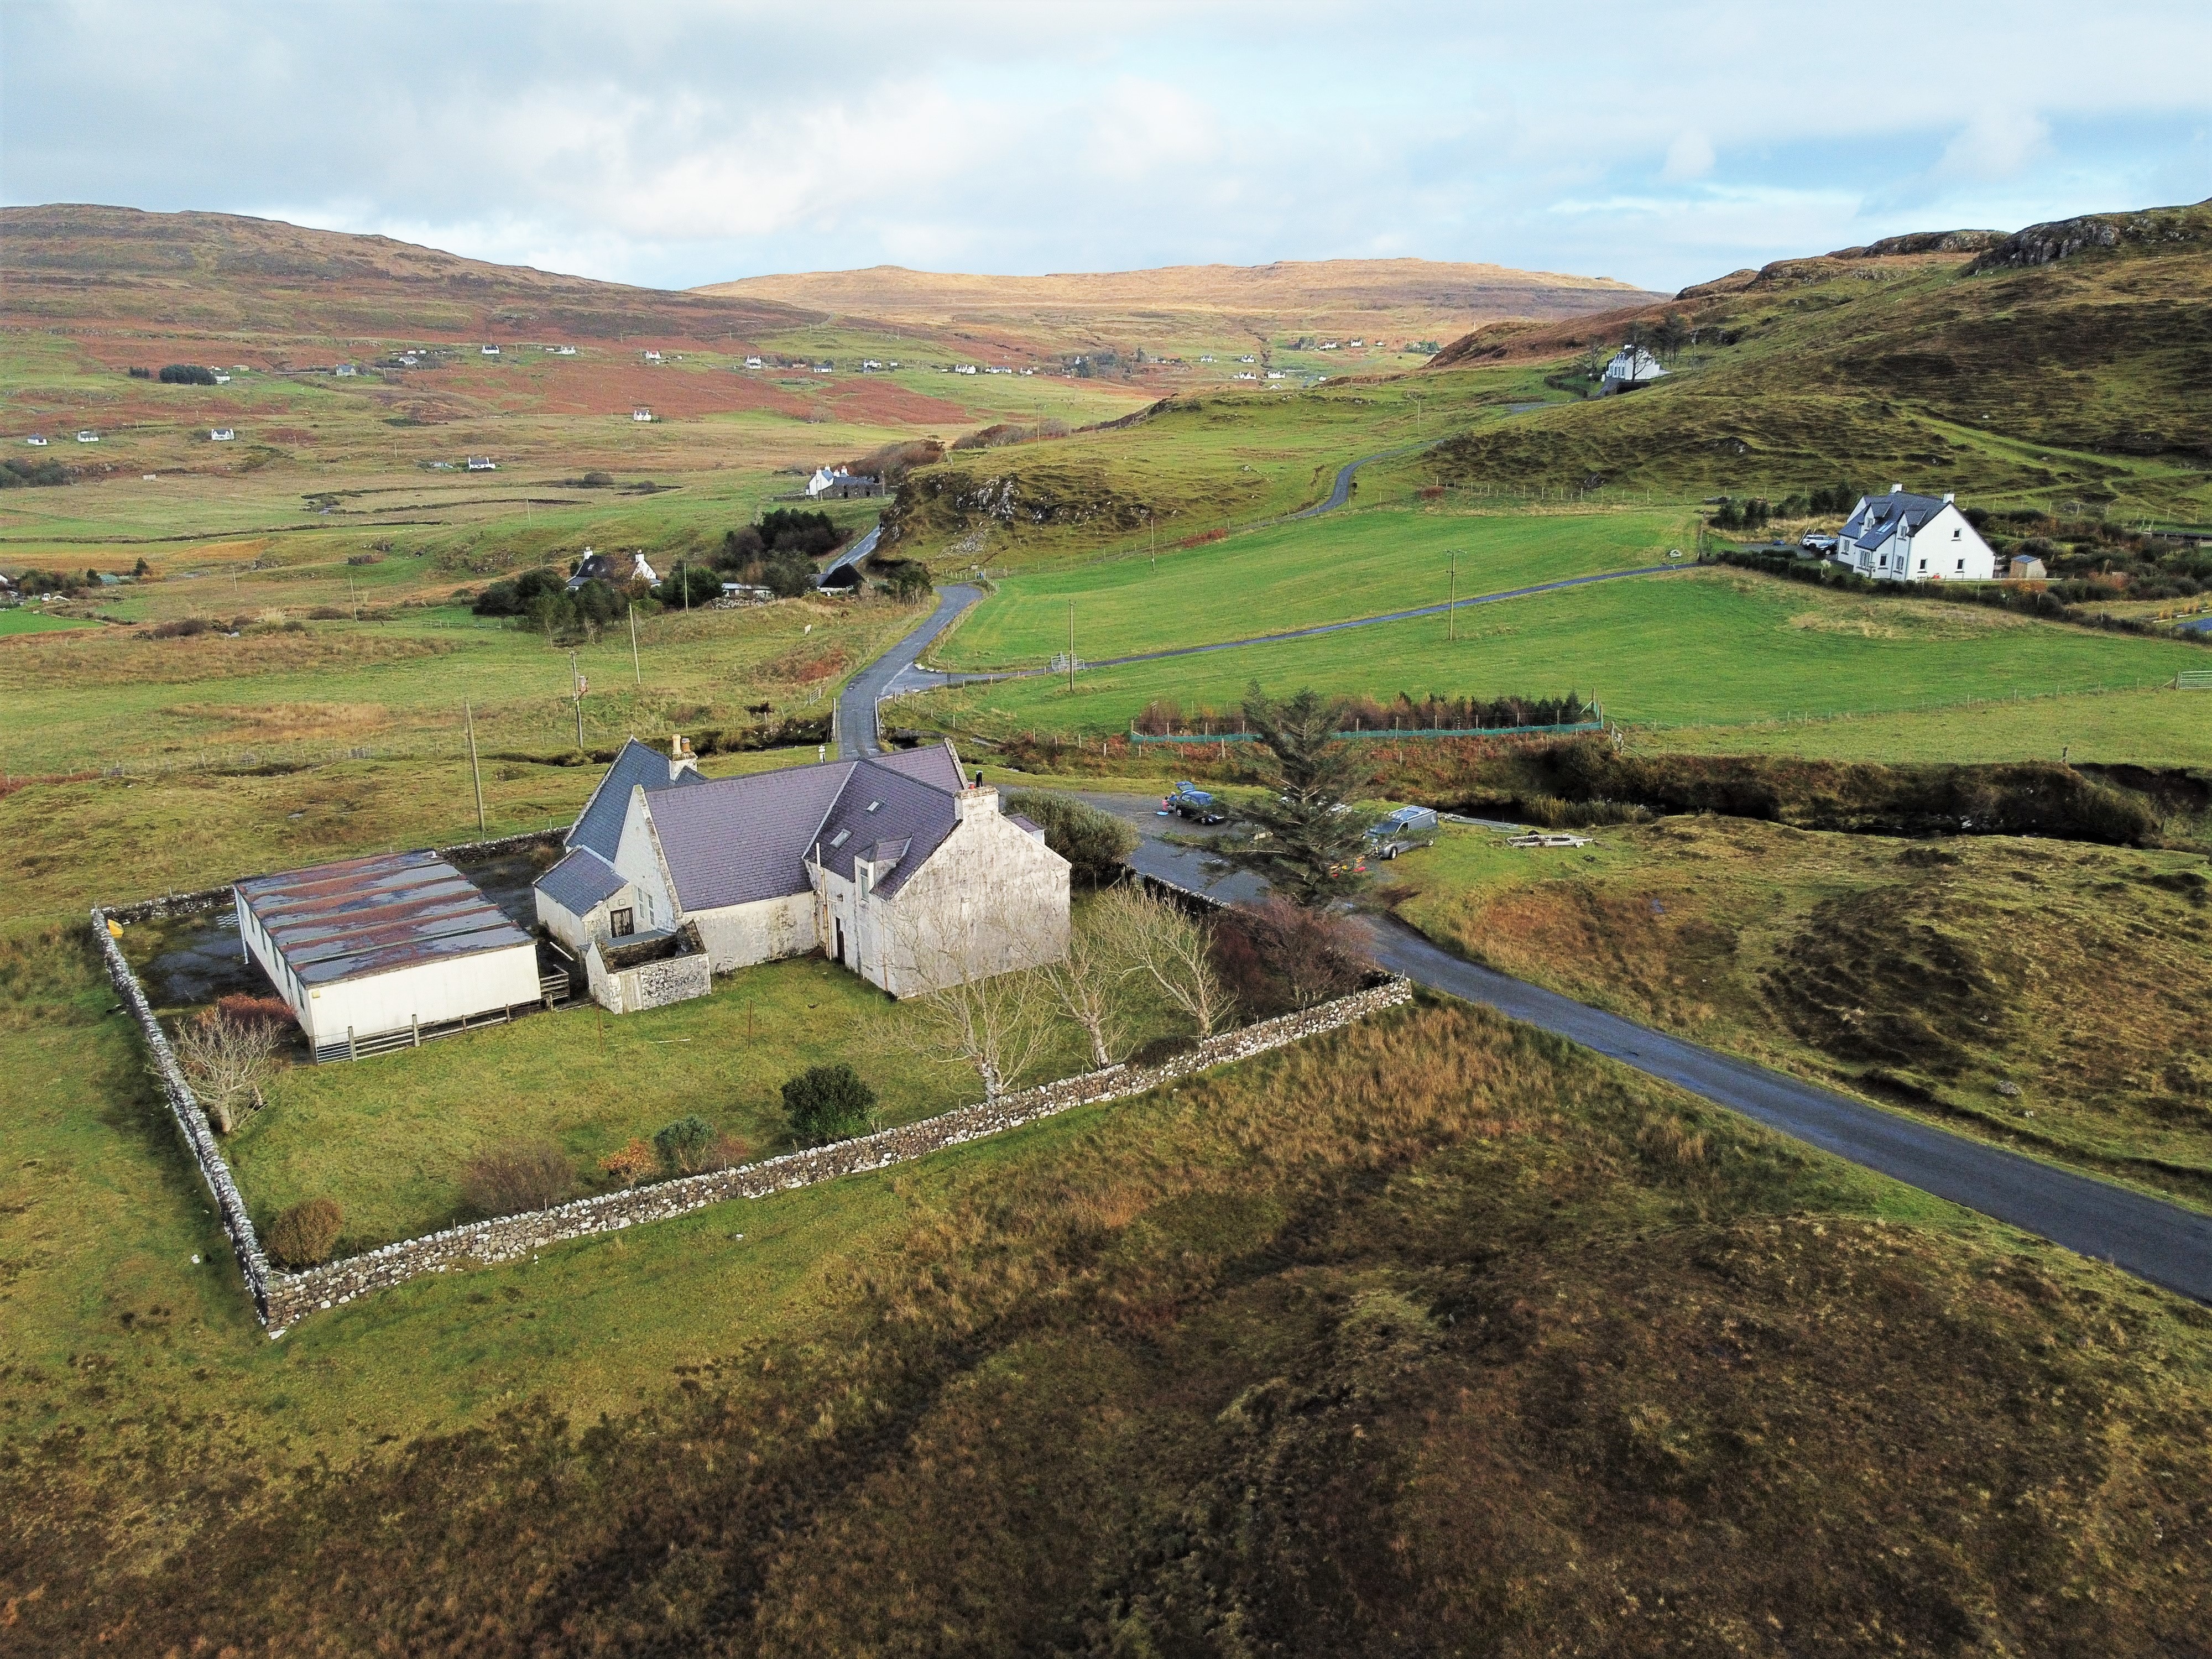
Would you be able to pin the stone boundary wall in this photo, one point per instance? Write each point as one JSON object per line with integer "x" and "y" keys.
{"x": 290, "y": 1297}
{"x": 192, "y": 1121}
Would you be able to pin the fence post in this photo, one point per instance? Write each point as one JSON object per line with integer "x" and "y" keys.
{"x": 350, "y": 1055}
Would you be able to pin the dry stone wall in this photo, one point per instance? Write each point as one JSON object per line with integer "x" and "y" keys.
{"x": 292, "y": 1297}
{"x": 192, "y": 1121}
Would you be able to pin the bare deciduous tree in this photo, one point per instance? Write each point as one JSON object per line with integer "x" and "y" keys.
{"x": 1089, "y": 986}
{"x": 981, "y": 1012}
{"x": 1167, "y": 946}
{"x": 227, "y": 1061}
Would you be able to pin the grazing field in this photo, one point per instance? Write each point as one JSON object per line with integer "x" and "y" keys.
{"x": 1191, "y": 465}
{"x": 1294, "y": 575}
{"x": 23, "y": 620}
{"x": 395, "y": 688}
{"x": 2160, "y": 728}
{"x": 1703, "y": 647}
{"x": 2051, "y": 995}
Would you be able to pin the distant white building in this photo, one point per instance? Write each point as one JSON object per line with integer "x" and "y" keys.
{"x": 609, "y": 567}
{"x": 752, "y": 363}
{"x": 564, "y": 351}
{"x": 88, "y": 437}
{"x": 490, "y": 350}
{"x": 1632, "y": 367}
{"x": 1904, "y": 537}
{"x": 482, "y": 464}
{"x": 346, "y": 371}
{"x": 221, "y": 434}
{"x": 35, "y": 441}
{"x": 221, "y": 379}
{"x": 641, "y": 414}
{"x": 652, "y": 357}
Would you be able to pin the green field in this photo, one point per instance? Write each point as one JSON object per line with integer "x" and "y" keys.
{"x": 2160, "y": 728}
{"x": 1343, "y": 565}
{"x": 24, "y": 620}
{"x": 1699, "y": 647}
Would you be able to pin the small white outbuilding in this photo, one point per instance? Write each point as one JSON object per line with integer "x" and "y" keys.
{"x": 379, "y": 952}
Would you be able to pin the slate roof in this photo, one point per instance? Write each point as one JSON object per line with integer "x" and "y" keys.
{"x": 732, "y": 841}
{"x": 884, "y": 814}
{"x": 1881, "y": 517}
{"x": 736, "y": 841}
{"x": 597, "y": 568}
{"x": 371, "y": 915}
{"x": 600, "y": 825}
{"x": 581, "y": 881}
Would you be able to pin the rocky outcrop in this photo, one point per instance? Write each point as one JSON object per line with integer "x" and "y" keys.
{"x": 2062, "y": 238}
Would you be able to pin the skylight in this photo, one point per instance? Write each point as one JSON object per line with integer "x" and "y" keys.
{"x": 874, "y": 805}
{"x": 840, "y": 837}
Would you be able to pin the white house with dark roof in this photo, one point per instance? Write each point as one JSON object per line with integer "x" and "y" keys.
{"x": 1631, "y": 367}
{"x": 895, "y": 867}
{"x": 1904, "y": 537}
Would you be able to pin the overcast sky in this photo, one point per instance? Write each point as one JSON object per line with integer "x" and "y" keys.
{"x": 677, "y": 144}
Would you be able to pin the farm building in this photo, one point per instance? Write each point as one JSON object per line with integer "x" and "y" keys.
{"x": 482, "y": 464}
{"x": 1632, "y": 367}
{"x": 611, "y": 568}
{"x": 35, "y": 441}
{"x": 641, "y": 415}
{"x": 894, "y": 866}
{"x": 380, "y": 952}
{"x": 1901, "y": 537}
{"x": 841, "y": 485}
{"x": 88, "y": 437}
{"x": 2027, "y": 567}
{"x": 221, "y": 435}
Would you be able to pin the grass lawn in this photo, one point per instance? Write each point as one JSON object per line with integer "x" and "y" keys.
{"x": 2158, "y": 727}
{"x": 21, "y": 619}
{"x": 1318, "y": 570}
{"x": 1701, "y": 648}
{"x": 1925, "y": 974}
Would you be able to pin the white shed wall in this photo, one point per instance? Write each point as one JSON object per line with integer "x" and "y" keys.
{"x": 426, "y": 992}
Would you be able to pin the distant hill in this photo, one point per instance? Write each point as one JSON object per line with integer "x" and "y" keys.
{"x": 1351, "y": 297}
{"x": 1941, "y": 356}
{"x": 223, "y": 272}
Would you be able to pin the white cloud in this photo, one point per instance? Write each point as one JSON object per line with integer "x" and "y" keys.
{"x": 1690, "y": 156}
{"x": 1997, "y": 144}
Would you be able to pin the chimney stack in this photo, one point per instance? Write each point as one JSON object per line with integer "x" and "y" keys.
{"x": 1897, "y": 489}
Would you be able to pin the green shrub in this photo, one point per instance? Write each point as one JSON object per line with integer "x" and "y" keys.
{"x": 685, "y": 1146}
{"x": 1096, "y": 843}
{"x": 829, "y": 1102}
{"x": 187, "y": 374}
{"x": 305, "y": 1235}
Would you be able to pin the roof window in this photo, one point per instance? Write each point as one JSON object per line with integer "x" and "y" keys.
{"x": 840, "y": 837}
{"x": 874, "y": 805}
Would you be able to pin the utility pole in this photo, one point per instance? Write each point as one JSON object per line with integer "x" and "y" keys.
{"x": 1153, "y": 524}
{"x": 635, "y": 667}
{"x": 469, "y": 717}
{"x": 1417, "y": 413}
{"x": 683, "y": 576}
{"x": 1451, "y": 607}
{"x": 1071, "y": 648}
{"x": 576, "y": 692}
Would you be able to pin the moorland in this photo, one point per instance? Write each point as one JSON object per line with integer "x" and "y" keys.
{"x": 1434, "y": 1333}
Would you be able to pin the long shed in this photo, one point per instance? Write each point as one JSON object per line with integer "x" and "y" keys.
{"x": 370, "y": 953}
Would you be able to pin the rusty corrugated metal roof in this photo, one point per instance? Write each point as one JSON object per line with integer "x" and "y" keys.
{"x": 370, "y": 915}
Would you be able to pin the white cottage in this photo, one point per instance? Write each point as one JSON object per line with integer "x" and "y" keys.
{"x": 1904, "y": 537}
{"x": 894, "y": 866}
{"x": 1632, "y": 367}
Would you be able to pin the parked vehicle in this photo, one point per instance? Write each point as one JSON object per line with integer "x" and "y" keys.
{"x": 1815, "y": 541}
{"x": 1403, "y": 831}
{"x": 1198, "y": 804}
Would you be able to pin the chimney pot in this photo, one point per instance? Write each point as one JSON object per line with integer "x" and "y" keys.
{"x": 1897, "y": 489}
